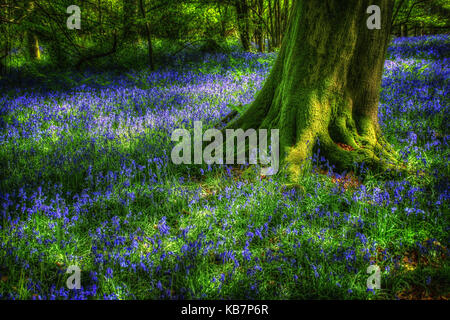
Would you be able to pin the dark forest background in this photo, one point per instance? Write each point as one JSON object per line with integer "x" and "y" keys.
{"x": 124, "y": 34}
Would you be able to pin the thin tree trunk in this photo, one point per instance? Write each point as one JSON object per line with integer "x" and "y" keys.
{"x": 278, "y": 22}
{"x": 129, "y": 15}
{"x": 404, "y": 30}
{"x": 285, "y": 17}
{"x": 242, "y": 21}
{"x": 271, "y": 25}
{"x": 259, "y": 28}
{"x": 100, "y": 16}
{"x": 33, "y": 46}
{"x": 148, "y": 35}
{"x": 222, "y": 14}
{"x": 2, "y": 66}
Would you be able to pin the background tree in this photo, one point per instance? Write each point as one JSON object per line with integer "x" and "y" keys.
{"x": 32, "y": 37}
{"x": 148, "y": 35}
{"x": 419, "y": 17}
{"x": 242, "y": 13}
{"x": 124, "y": 34}
{"x": 129, "y": 17}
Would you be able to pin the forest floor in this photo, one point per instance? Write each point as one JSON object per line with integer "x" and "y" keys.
{"x": 86, "y": 179}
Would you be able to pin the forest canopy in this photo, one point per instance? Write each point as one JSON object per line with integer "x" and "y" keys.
{"x": 133, "y": 33}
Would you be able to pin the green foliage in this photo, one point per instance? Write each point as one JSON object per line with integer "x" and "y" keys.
{"x": 422, "y": 15}
{"x": 113, "y": 32}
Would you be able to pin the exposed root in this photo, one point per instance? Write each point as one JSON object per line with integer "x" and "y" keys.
{"x": 375, "y": 157}
{"x": 340, "y": 144}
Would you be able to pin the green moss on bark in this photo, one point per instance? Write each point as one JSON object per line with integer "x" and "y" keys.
{"x": 325, "y": 85}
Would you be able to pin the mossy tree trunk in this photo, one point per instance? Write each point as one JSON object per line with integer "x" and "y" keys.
{"x": 325, "y": 85}
{"x": 33, "y": 46}
{"x": 129, "y": 15}
{"x": 404, "y": 30}
{"x": 32, "y": 40}
{"x": 148, "y": 34}
{"x": 242, "y": 13}
{"x": 258, "y": 32}
{"x": 2, "y": 68}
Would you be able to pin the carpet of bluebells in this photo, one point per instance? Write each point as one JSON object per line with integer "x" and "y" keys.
{"x": 86, "y": 179}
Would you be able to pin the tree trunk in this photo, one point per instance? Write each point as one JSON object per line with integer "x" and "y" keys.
{"x": 259, "y": 25}
{"x": 325, "y": 86}
{"x": 33, "y": 46}
{"x": 286, "y": 12}
{"x": 243, "y": 23}
{"x": 57, "y": 53}
{"x": 278, "y": 24}
{"x": 271, "y": 25}
{"x": 148, "y": 35}
{"x": 129, "y": 15}
{"x": 404, "y": 30}
{"x": 3, "y": 54}
{"x": 222, "y": 16}
{"x": 2, "y": 68}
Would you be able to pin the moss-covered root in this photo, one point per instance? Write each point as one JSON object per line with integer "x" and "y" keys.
{"x": 344, "y": 157}
{"x": 348, "y": 158}
{"x": 325, "y": 86}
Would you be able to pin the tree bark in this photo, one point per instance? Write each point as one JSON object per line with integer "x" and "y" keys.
{"x": 149, "y": 37}
{"x": 243, "y": 23}
{"x": 404, "y": 30}
{"x": 33, "y": 46}
{"x": 278, "y": 22}
{"x": 271, "y": 29}
{"x": 286, "y": 12}
{"x": 323, "y": 91}
{"x": 2, "y": 68}
{"x": 259, "y": 39}
{"x": 129, "y": 15}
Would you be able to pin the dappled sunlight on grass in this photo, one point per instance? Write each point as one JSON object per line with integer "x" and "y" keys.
{"x": 88, "y": 180}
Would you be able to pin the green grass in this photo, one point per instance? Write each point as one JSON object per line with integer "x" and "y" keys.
{"x": 317, "y": 237}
